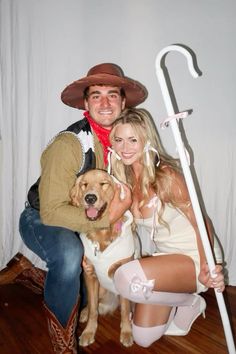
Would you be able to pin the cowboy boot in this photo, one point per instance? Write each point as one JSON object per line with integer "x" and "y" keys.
{"x": 63, "y": 339}
{"x": 21, "y": 270}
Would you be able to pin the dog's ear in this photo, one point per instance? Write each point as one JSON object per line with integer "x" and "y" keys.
{"x": 74, "y": 194}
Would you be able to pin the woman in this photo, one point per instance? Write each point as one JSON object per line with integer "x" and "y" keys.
{"x": 175, "y": 273}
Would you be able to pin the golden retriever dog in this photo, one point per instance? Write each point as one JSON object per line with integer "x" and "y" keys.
{"x": 105, "y": 250}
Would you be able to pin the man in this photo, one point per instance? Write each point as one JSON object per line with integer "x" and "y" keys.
{"x": 50, "y": 225}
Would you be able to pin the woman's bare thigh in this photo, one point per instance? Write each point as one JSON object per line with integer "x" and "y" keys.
{"x": 172, "y": 272}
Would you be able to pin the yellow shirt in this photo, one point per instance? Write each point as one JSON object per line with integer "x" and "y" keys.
{"x": 60, "y": 162}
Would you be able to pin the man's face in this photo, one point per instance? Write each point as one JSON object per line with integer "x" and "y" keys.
{"x": 104, "y": 104}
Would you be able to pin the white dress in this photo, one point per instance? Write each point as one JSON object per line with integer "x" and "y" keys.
{"x": 180, "y": 238}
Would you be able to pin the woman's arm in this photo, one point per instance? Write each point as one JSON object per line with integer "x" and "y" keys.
{"x": 180, "y": 196}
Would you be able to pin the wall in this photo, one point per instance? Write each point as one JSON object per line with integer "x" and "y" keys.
{"x": 48, "y": 44}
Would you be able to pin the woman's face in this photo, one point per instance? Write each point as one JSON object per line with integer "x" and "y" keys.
{"x": 127, "y": 144}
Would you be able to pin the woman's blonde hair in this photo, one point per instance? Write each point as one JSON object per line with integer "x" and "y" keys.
{"x": 152, "y": 176}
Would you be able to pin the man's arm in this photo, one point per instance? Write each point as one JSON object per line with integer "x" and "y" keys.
{"x": 60, "y": 162}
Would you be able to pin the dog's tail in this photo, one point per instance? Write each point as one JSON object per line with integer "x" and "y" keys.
{"x": 108, "y": 303}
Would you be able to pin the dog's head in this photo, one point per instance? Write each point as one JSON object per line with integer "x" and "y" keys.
{"x": 93, "y": 191}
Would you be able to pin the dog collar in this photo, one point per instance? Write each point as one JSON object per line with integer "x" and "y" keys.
{"x": 118, "y": 226}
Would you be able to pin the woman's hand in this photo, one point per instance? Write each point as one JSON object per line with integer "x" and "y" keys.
{"x": 215, "y": 281}
{"x": 121, "y": 202}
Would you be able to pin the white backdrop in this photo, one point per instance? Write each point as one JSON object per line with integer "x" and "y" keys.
{"x": 47, "y": 44}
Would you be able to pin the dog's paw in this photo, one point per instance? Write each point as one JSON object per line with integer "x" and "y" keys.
{"x": 126, "y": 338}
{"x": 86, "y": 338}
{"x": 83, "y": 315}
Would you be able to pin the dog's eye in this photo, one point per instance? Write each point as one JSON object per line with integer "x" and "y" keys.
{"x": 84, "y": 185}
{"x": 105, "y": 185}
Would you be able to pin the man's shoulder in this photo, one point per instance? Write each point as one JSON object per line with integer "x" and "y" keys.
{"x": 62, "y": 141}
{"x": 74, "y": 133}
{"x": 65, "y": 136}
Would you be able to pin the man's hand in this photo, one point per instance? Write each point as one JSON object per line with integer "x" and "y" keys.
{"x": 120, "y": 203}
{"x": 216, "y": 281}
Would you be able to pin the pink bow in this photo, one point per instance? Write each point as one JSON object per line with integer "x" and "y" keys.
{"x": 137, "y": 285}
{"x": 179, "y": 115}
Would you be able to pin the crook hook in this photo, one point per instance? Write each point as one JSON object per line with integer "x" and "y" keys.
{"x": 179, "y": 49}
{"x": 161, "y": 77}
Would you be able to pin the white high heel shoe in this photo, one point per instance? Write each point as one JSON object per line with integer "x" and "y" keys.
{"x": 185, "y": 316}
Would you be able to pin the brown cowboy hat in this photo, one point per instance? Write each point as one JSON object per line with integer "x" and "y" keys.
{"x": 104, "y": 74}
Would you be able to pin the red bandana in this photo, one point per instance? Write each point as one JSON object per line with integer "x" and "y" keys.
{"x": 102, "y": 134}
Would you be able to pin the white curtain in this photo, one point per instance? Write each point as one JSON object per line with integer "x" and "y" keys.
{"x": 47, "y": 44}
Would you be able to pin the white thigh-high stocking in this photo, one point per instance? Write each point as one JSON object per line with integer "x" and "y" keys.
{"x": 185, "y": 316}
{"x": 131, "y": 283}
{"x": 145, "y": 336}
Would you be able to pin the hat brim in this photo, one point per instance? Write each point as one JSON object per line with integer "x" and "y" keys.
{"x": 73, "y": 94}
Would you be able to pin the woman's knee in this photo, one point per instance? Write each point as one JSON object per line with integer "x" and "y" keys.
{"x": 146, "y": 336}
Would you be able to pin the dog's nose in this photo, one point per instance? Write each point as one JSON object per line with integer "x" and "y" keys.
{"x": 90, "y": 198}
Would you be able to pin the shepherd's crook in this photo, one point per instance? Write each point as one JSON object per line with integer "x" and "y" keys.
{"x": 172, "y": 120}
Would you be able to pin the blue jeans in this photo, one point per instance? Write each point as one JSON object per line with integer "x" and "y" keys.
{"x": 62, "y": 250}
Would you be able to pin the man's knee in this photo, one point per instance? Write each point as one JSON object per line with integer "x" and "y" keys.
{"x": 72, "y": 260}
{"x": 70, "y": 252}
{"x": 64, "y": 252}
